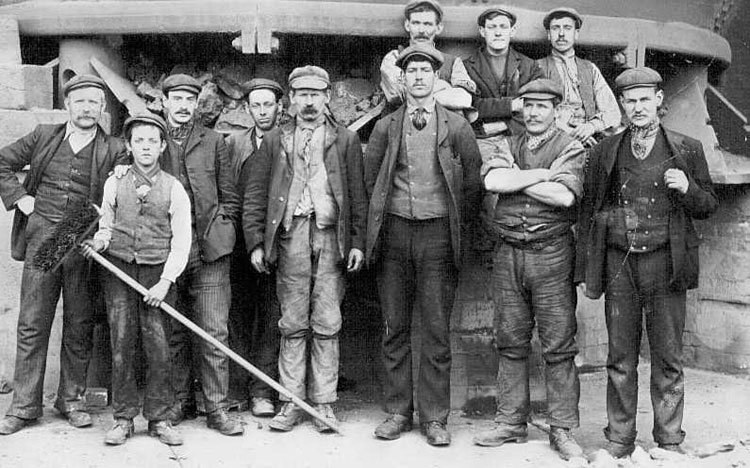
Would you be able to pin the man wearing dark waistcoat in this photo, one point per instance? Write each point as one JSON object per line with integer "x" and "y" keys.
{"x": 499, "y": 71}
{"x": 423, "y": 21}
{"x": 305, "y": 211}
{"x": 422, "y": 172}
{"x": 638, "y": 246}
{"x": 589, "y": 107}
{"x": 198, "y": 158}
{"x": 68, "y": 165}
{"x": 532, "y": 276}
{"x": 145, "y": 231}
{"x": 255, "y": 313}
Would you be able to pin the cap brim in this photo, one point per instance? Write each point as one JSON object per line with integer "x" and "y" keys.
{"x": 639, "y": 85}
{"x": 309, "y": 82}
{"x": 188, "y": 88}
{"x": 539, "y": 95}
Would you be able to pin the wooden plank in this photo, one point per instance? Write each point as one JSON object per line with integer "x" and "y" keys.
{"x": 362, "y": 121}
{"x": 123, "y": 89}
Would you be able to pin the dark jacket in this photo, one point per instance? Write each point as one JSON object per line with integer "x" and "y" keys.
{"x": 494, "y": 97}
{"x": 216, "y": 203}
{"x": 271, "y": 178}
{"x": 241, "y": 148}
{"x": 699, "y": 202}
{"x": 36, "y": 149}
{"x": 459, "y": 159}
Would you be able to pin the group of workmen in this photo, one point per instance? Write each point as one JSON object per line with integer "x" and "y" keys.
{"x": 270, "y": 221}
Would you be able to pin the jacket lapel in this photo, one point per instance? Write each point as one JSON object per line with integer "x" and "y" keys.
{"x": 332, "y": 161}
{"x": 287, "y": 141}
{"x": 394, "y": 144}
{"x": 194, "y": 139}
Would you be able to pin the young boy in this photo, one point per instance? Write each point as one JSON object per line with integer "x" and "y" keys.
{"x": 145, "y": 230}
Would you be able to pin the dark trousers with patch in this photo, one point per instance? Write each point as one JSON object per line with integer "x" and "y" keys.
{"x": 133, "y": 322}
{"x": 40, "y": 293}
{"x": 534, "y": 286}
{"x": 416, "y": 269}
{"x": 203, "y": 296}
{"x": 638, "y": 287}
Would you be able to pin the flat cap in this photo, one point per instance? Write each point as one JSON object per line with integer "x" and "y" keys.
{"x": 309, "y": 77}
{"x": 541, "y": 88}
{"x": 145, "y": 118}
{"x": 424, "y": 50}
{"x": 83, "y": 81}
{"x": 181, "y": 82}
{"x": 414, "y": 4}
{"x": 638, "y": 77}
{"x": 492, "y": 12}
{"x": 562, "y": 12}
{"x": 263, "y": 83}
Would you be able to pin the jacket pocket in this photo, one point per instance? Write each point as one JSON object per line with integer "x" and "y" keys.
{"x": 219, "y": 238}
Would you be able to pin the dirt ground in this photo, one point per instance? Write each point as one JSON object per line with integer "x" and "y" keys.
{"x": 717, "y": 417}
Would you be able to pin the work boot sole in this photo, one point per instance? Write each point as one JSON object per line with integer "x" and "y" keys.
{"x": 383, "y": 434}
{"x": 165, "y": 440}
{"x": 498, "y": 443}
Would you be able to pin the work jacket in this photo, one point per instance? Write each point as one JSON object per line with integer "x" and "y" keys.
{"x": 686, "y": 154}
{"x": 459, "y": 160}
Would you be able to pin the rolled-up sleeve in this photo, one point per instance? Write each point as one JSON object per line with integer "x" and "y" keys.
{"x": 567, "y": 168}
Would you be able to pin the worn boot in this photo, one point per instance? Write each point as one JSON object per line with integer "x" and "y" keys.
{"x": 220, "y": 421}
{"x": 119, "y": 433}
{"x": 165, "y": 432}
{"x": 436, "y": 433}
{"x": 501, "y": 434}
{"x": 326, "y": 411}
{"x": 285, "y": 420}
{"x": 563, "y": 443}
{"x": 263, "y": 407}
{"x": 618, "y": 450}
{"x": 393, "y": 426}
{"x": 78, "y": 418}
{"x": 12, "y": 424}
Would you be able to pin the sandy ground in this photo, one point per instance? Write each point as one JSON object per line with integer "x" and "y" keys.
{"x": 717, "y": 413}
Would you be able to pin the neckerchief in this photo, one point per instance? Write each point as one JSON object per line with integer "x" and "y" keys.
{"x": 143, "y": 181}
{"x": 535, "y": 141}
{"x": 180, "y": 133}
{"x": 642, "y": 138}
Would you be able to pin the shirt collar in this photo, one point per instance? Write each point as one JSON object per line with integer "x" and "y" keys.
{"x": 567, "y": 56}
{"x": 429, "y": 107}
{"x": 306, "y": 124}
{"x": 70, "y": 129}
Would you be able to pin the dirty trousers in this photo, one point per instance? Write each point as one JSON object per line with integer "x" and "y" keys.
{"x": 132, "y": 321}
{"x": 310, "y": 288}
{"x": 535, "y": 286}
{"x": 40, "y": 292}
{"x": 638, "y": 287}
{"x": 416, "y": 270}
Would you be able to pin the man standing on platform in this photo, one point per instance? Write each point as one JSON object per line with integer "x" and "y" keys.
{"x": 68, "y": 165}
{"x": 422, "y": 172}
{"x": 637, "y": 245}
{"x": 255, "y": 311}
{"x": 198, "y": 158}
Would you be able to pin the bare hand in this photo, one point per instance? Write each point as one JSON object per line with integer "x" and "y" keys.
{"x": 583, "y": 132}
{"x": 356, "y": 259}
{"x": 157, "y": 293}
{"x": 26, "y": 204}
{"x": 120, "y": 170}
{"x": 90, "y": 246}
{"x": 677, "y": 180}
{"x": 258, "y": 261}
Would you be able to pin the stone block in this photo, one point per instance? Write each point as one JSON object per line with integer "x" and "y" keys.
{"x": 10, "y": 41}
{"x": 25, "y": 86}
{"x": 17, "y": 123}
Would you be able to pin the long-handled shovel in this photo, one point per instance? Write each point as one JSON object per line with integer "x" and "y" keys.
{"x": 203, "y": 334}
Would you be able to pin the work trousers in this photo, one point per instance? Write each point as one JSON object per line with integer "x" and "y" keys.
{"x": 253, "y": 327}
{"x": 133, "y": 322}
{"x": 535, "y": 286}
{"x": 203, "y": 296}
{"x": 40, "y": 293}
{"x": 310, "y": 287}
{"x": 416, "y": 269}
{"x": 638, "y": 287}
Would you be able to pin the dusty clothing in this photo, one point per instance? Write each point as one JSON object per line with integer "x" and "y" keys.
{"x": 310, "y": 254}
{"x": 40, "y": 291}
{"x": 495, "y": 93}
{"x": 586, "y": 93}
{"x": 64, "y": 182}
{"x": 648, "y": 282}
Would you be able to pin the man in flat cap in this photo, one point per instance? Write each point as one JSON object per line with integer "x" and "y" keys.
{"x": 589, "y": 109}
{"x": 637, "y": 245}
{"x": 145, "y": 232}
{"x": 538, "y": 187}
{"x": 304, "y": 214}
{"x": 68, "y": 165}
{"x": 254, "y": 314}
{"x": 423, "y": 22}
{"x": 422, "y": 173}
{"x": 198, "y": 158}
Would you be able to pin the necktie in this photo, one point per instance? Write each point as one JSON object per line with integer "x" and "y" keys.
{"x": 418, "y": 118}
